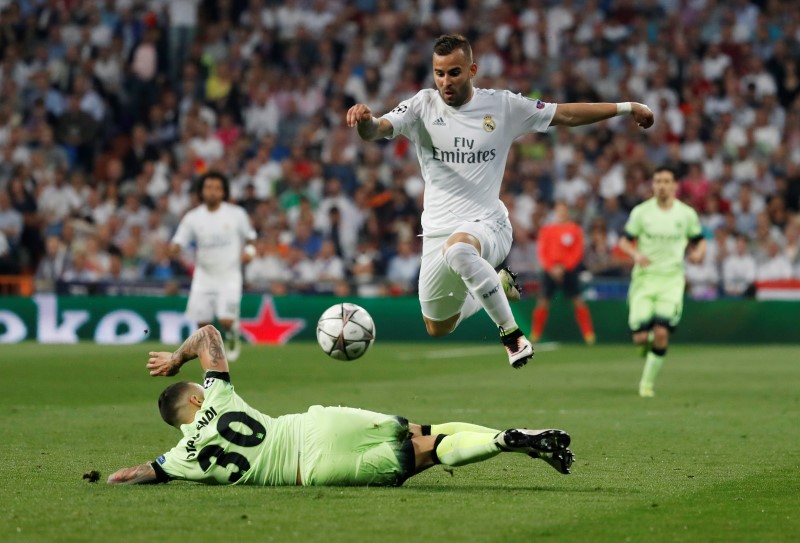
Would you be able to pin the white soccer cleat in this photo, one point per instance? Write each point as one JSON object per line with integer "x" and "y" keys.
{"x": 646, "y": 391}
{"x": 519, "y": 349}
{"x": 508, "y": 280}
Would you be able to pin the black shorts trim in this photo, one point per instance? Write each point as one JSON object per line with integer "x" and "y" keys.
{"x": 649, "y": 325}
{"x": 407, "y": 460}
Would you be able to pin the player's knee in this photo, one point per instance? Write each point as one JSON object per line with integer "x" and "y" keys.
{"x": 660, "y": 336}
{"x": 436, "y": 331}
{"x": 459, "y": 255}
{"x": 438, "y": 328}
{"x": 226, "y": 323}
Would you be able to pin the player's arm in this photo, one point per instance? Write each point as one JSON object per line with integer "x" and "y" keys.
{"x": 574, "y": 254}
{"x": 135, "y": 475}
{"x": 249, "y": 237}
{"x": 697, "y": 249}
{"x": 174, "y": 250}
{"x": 578, "y": 114}
{"x": 627, "y": 247}
{"x": 368, "y": 127}
{"x": 205, "y": 344}
{"x": 183, "y": 236}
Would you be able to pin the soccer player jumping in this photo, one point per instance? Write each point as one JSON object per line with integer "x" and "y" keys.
{"x": 662, "y": 227}
{"x": 462, "y": 136}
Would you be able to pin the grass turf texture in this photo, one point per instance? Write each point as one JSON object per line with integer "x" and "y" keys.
{"x": 714, "y": 457}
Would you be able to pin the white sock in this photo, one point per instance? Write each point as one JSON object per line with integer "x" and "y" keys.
{"x": 482, "y": 281}
{"x": 470, "y": 307}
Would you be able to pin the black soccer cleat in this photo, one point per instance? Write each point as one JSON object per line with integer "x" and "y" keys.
{"x": 561, "y": 461}
{"x": 533, "y": 441}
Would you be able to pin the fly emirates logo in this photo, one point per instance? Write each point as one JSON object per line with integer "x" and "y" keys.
{"x": 464, "y": 152}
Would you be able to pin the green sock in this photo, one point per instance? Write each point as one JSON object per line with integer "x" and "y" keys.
{"x": 450, "y": 428}
{"x": 466, "y": 447}
{"x": 651, "y": 368}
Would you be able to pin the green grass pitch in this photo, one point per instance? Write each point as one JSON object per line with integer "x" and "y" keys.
{"x": 713, "y": 458}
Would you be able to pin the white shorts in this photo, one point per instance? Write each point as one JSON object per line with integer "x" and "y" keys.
{"x": 206, "y": 303}
{"x": 441, "y": 290}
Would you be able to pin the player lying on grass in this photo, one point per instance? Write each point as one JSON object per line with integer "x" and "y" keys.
{"x": 225, "y": 441}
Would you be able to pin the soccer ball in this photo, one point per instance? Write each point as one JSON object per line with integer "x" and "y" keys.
{"x": 345, "y": 331}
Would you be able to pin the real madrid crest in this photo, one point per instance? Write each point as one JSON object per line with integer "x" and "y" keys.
{"x": 488, "y": 123}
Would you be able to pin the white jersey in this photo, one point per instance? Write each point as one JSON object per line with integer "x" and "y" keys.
{"x": 462, "y": 151}
{"x": 219, "y": 237}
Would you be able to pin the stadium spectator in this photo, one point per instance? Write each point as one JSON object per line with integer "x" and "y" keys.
{"x": 467, "y": 232}
{"x": 775, "y": 266}
{"x": 402, "y": 270}
{"x": 739, "y": 270}
{"x": 326, "y": 445}
{"x": 329, "y": 268}
{"x": 53, "y": 264}
{"x": 702, "y": 278}
{"x": 161, "y": 266}
{"x": 599, "y": 259}
{"x": 11, "y": 221}
{"x": 268, "y": 268}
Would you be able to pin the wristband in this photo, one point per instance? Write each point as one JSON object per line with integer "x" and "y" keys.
{"x": 623, "y": 108}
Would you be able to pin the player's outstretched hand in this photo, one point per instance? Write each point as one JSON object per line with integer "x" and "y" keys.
{"x": 162, "y": 364}
{"x": 359, "y": 113}
{"x": 642, "y": 114}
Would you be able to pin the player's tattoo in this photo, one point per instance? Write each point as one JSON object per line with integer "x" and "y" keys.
{"x": 207, "y": 340}
{"x": 189, "y": 349}
{"x": 133, "y": 475}
{"x": 216, "y": 350}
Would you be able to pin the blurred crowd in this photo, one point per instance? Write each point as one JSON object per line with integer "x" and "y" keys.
{"x": 111, "y": 109}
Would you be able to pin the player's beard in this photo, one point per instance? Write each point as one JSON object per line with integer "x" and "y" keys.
{"x": 213, "y": 204}
{"x": 459, "y": 97}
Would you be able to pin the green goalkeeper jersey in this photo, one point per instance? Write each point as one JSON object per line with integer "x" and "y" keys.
{"x": 662, "y": 235}
{"x": 229, "y": 442}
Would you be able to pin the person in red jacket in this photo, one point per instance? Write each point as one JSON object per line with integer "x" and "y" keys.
{"x": 560, "y": 252}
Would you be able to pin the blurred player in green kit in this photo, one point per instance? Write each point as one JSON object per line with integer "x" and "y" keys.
{"x": 225, "y": 441}
{"x": 662, "y": 227}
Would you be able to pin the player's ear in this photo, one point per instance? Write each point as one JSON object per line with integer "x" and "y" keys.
{"x": 197, "y": 398}
{"x": 473, "y": 70}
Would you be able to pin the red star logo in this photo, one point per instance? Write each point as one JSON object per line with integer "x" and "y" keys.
{"x": 268, "y": 328}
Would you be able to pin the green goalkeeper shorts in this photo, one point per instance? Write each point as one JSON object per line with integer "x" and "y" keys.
{"x": 346, "y": 446}
{"x": 655, "y": 299}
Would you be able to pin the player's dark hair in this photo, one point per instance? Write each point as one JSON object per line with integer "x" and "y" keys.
{"x": 666, "y": 169}
{"x": 226, "y": 186}
{"x": 447, "y": 43}
{"x": 170, "y": 401}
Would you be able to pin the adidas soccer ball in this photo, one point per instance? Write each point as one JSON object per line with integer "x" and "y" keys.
{"x": 345, "y": 331}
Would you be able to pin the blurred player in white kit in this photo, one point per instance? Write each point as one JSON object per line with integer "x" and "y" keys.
{"x": 221, "y": 234}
